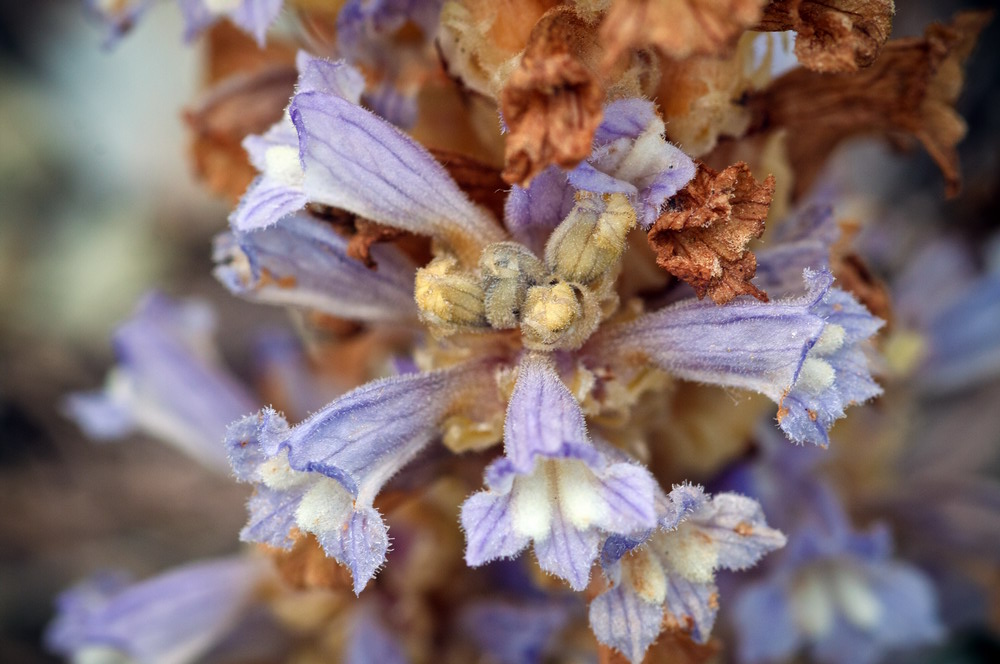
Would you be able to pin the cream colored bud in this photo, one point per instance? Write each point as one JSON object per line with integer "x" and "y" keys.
{"x": 549, "y": 314}
{"x": 591, "y": 238}
{"x": 447, "y": 297}
{"x": 508, "y": 269}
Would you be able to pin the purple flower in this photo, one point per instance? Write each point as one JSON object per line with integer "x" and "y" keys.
{"x": 303, "y": 262}
{"x": 332, "y": 152}
{"x": 552, "y": 486}
{"x": 253, "y": 16}
{"x": 673, "y": 568}
{"x": 631, "y": 157}
{"x": 805, "y": 352}
{"x": 168, "y": 383}
{"x": 173, "y": 618}
{"x": 837, "y": 594}
{"x": 322, "y": 476}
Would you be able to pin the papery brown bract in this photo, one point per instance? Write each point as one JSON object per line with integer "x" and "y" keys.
{"x": 910, "y": 90}
{"x": 676, "y": 28}
{"x": 249, "y": 90}
{"x": 832, "y": 35}
{"x": 552, "y": 102}
{"x": 703, "y": 236}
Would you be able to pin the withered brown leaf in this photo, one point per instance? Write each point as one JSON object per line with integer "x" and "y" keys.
{"x": 832, "y": 35}
{"x": 703, "y": 237}
{"x": 676, "y": 28}
{"x": 910, "y": 90}
{"x": 552, "y": 102}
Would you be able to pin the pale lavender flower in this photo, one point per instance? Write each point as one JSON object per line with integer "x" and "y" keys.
{"x": 302, "y": 262}
{"x": 631, "y": 157}
{"x": 252, "y": 16}
{"x": 330, "y": 151}
{"x": 173, "y": 618}
{"x": 552, "y": 486}
{"x": 671, "y": 571}
{"x": 837, "y": 594}
{"x": 803, "y": 352}
{"x": 168, "y": 383}
{"x": 322, "y": 476}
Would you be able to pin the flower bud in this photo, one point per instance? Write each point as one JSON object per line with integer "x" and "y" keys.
{"x": 508, "y": 269}
{"x": 448, "y": 298}
{"x": 591, "y": 238}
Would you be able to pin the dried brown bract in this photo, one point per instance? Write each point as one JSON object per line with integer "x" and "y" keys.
{"x": 676, "y": 28}
{"x": 832, "y": 35}
{"x": 853, "y": 276}
{"x": 673, "y": 647}
{"x": 703, "y": 238}
{"x": 306, "y": 565}
{"x": 909, "y": 91}
{"x": 250, "y": 88}
{"x": 552, "y": 102}
{"x": 242, "y": 104}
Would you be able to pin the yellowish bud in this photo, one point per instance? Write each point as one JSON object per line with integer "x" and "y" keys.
{"x": 447, "y": 297}
{"x": 549, "y": 313}
{"x": 591, "y": 239}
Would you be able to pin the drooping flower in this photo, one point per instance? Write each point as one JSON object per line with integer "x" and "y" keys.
{"x": 668, "y": 574}
{"x": 302, "y": 262}
{"x": 168, "y": 383}
{"x": 322, "y": 476}
{"x": 172, "y": 618}
{"x": 803, "y": 352}
{"x": 330, "y": 151}
{"x": 553, "y": 487}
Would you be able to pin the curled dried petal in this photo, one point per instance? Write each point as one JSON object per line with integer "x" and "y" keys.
{"x": 676, "y": 28}
{"x": 703, "y": 237}
{"x": 552, "y": 102}
{"x": 911, "y": 89}
{"x": 832, "y": 35}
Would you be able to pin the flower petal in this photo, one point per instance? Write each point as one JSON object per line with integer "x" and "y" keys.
{"x": 358, "y": 162}
{"x": 172, "y": 618}
{"x": 489, "y": 535}
{"x": 303, "y": 262}
{"x": 624, "y": 621}
{"x": 692, "y": 605}
{"x": 543, "y": 417}
{"x": 737, "y": 526}
{"x": 568, "y": 552}
{"x": 266, "y": 201}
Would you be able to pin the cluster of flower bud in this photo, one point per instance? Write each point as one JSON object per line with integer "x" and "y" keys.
{"x": 556, "y": 303}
